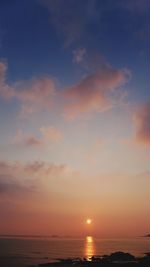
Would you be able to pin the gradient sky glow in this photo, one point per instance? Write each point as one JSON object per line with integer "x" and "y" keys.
{"x": 75, "y": 117}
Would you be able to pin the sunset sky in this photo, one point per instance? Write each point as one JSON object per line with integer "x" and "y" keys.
{"x": 75, "y": 117}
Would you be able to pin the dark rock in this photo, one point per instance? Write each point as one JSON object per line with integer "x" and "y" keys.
{"x": 121, "y": 257}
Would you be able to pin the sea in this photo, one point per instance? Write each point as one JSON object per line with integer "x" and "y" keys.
{"x": 29, "y": 251}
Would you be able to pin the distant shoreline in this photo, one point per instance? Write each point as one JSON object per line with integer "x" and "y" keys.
{"x": 32, "y": 236}
{"x": 68, "y": 237}
{"x": 148, "y": 235}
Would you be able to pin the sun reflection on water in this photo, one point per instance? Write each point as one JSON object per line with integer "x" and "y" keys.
{"x": 89, "y": 248}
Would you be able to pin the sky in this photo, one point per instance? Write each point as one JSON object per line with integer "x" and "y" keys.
{"x": 75, "y": 117}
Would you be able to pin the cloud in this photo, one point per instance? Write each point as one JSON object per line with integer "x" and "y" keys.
{"x": 138, "y": 11}
{"x": 46, "y": 169}
{"x": 22, "y": 139}
{"x": 14, "y": 179}
{"x": 29, "y": 188}
{"x": 78, "y": 55}
{"x": 48, "y": 134}
{"x": 33, "y": 94}
{"x": 38, "y": 91}
{"x": 142, "y": 124}
{"x": 9, "y": 185}
{"x": 95, "y": 92}
{"x": 71, "y": 19}
{"x": 33, "y": 141}
{"x": 51, "y": 133}
{"x": 5, "y": 90}
{"x": 30, "y": 174}
{"x": 3, "y": 68}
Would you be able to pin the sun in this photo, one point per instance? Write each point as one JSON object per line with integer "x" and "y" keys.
{"x": 88, "y": 221}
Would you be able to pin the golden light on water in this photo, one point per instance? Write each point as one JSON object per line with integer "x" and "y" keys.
{"x": 89, "y": 248}
{"x": 89, "y": 239}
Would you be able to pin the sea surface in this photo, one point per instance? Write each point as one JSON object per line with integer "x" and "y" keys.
{"x": 21, "y": 252}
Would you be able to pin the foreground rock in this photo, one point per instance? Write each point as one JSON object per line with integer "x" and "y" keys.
{"x": 115, "y": 259}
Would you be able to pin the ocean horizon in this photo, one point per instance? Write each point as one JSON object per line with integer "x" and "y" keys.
{"x": 26, "y": 251}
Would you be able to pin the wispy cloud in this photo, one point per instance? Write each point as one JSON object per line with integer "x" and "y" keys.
{"x": 31, "y": 175}
{"x": 38, "y": 91}
{"x": 51, "y": 133}
{"x": 48, "y": 134}
{"x": 23, "y": 139}
{"x": 30, "y": 172}
{"x": 33, "y": 94}
{"x": 3, "y": 68}
{"x": 78, "y": 55}
{"x": 9, "y": 185}
{"x": 6, "y": 91}
{"x": 72, "y": 18}
{"x": 142, "y": 124}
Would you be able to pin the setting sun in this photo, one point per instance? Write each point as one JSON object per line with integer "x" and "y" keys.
{"x": 88, "y": 221}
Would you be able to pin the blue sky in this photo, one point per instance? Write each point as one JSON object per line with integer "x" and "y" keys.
{"x": 41, "y": 38}
{"x": 31, "y": 44}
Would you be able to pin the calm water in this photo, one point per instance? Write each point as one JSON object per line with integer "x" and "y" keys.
{"x": 24, "y": 252}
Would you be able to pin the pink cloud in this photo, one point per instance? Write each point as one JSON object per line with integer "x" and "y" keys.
{"x": 95, "y": 91}
{"x": 36, "y": 91}
{"x": 142, "y": 124}
{"x": 51, "y": 133}
{"x": 48, "y": 134}
{"x": 36, "y": 94}
{"x": 32, "y": 94}
{"x": 33, "y": 141}
{"x": 26, "y": 140}
{"x": 35, "y": 168}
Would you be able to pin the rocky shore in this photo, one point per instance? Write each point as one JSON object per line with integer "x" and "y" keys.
{"x": 115, "y": 259}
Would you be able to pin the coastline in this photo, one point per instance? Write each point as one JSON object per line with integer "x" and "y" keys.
{"x": 118, "y": 258}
